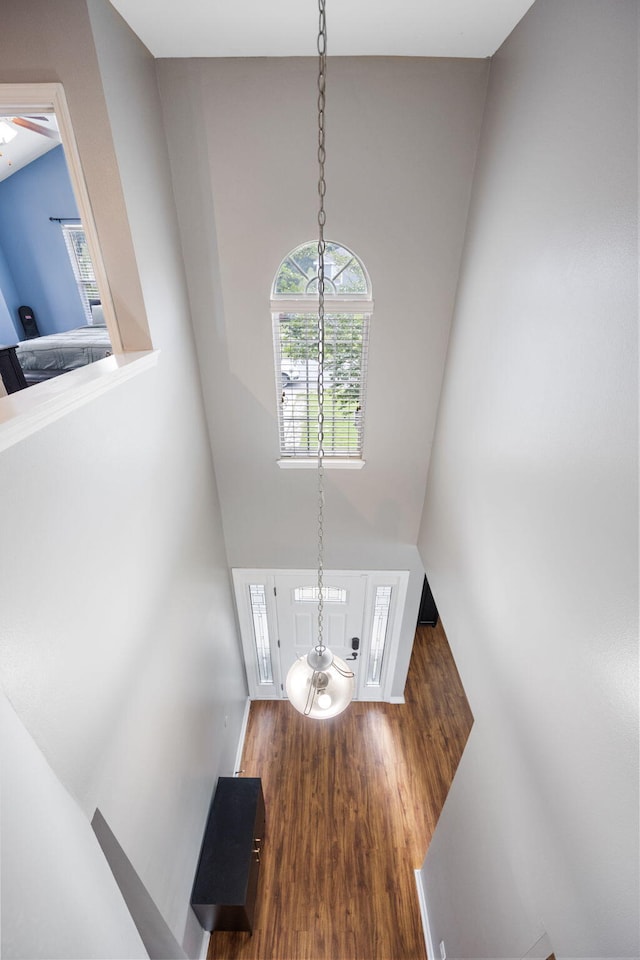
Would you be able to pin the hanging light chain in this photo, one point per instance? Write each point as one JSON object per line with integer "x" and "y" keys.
{"x": 322, "y": 187}
{"x": 323, "y": 693}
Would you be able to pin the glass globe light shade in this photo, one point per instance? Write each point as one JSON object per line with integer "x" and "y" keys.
{"x": 316, "y": 686}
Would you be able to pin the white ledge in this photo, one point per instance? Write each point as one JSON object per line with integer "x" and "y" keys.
{"x": 329, "y": 463}
{"x": 29, "y": 410}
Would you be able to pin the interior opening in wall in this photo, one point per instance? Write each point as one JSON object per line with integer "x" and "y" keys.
{"x": 56, "y": 312}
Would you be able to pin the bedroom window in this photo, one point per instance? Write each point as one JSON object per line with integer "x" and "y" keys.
{"x": 294, "y": 306}
{"x": 82, "y": 265}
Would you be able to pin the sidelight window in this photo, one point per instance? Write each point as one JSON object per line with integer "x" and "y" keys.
{"x": 261, "y": 632}
{"x": 381, "y": 608}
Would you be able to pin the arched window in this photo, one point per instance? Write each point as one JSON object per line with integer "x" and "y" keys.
{"x": 294, "y": 306}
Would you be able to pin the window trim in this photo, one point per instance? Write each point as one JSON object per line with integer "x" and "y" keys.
{"x": 333, "y": 305}
{"x": 328, "y": 463}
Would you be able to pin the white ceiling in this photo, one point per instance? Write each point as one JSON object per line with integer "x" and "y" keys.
{"x": 26, "y": 145}
{"x": 287, "y": 28}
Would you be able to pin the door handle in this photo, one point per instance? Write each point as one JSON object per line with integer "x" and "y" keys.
{"x": 355, "y": 646}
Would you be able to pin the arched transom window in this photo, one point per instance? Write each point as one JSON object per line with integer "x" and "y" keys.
{"x": 294, "y": 306}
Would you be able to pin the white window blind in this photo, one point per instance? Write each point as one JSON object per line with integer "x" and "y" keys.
{"x": 81, "y": 264}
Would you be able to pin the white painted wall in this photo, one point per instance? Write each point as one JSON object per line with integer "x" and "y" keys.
{"x": 59, "y": 898}
{"x": 118, "y": 646}
{"x": 530, "y": 528}
{"x": 401, "y": 141}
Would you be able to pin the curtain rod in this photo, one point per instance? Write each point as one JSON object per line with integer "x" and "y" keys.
{"x": 65, "y": 219}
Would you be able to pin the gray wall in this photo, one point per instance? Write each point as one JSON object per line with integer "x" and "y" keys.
{"x": 530, "y": 527}
{"x": 118, "y": 647}
{"x": 401, "y": 142}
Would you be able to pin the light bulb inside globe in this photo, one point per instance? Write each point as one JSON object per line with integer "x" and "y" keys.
{"x": 320, "y": 685}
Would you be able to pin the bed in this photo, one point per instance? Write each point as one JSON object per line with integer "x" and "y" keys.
{"x": 57, "y": 353}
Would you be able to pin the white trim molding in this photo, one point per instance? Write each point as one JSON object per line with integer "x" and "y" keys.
{"x": 328, "y": 463}
{"x": 424, "y": 914}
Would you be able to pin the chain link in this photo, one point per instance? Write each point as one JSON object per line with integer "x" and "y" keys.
{"x": 322, "y": 188}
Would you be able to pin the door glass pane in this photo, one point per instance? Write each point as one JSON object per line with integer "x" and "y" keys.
{"x": 381, "y": 607}
{"x": 310, "y": 595}
{"x": 261, "y": 632}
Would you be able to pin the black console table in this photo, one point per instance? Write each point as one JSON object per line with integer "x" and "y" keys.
{"x": 226, "y": 882}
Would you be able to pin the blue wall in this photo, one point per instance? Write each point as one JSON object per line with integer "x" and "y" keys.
{"x": 8, "y": 294}
{"x": 33, "y": 246}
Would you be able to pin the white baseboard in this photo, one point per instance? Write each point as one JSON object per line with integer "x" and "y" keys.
{"x": 204, "y": 949}
{"x": 243, "y": 733}
{"x": 429, "y": 944}
{"x": 396, "y": 699}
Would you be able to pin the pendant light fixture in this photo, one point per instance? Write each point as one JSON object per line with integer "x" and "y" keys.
{"x": 320, "y": 685}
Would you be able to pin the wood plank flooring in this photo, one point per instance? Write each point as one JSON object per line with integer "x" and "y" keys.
{"x": 351, "y": 806}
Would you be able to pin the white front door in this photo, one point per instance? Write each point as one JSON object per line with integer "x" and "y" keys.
{"x": 343, "y": 616}
{"x": 278, "y": 617}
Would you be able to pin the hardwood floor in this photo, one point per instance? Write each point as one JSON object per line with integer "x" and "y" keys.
{"x": 351, "y": 807}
